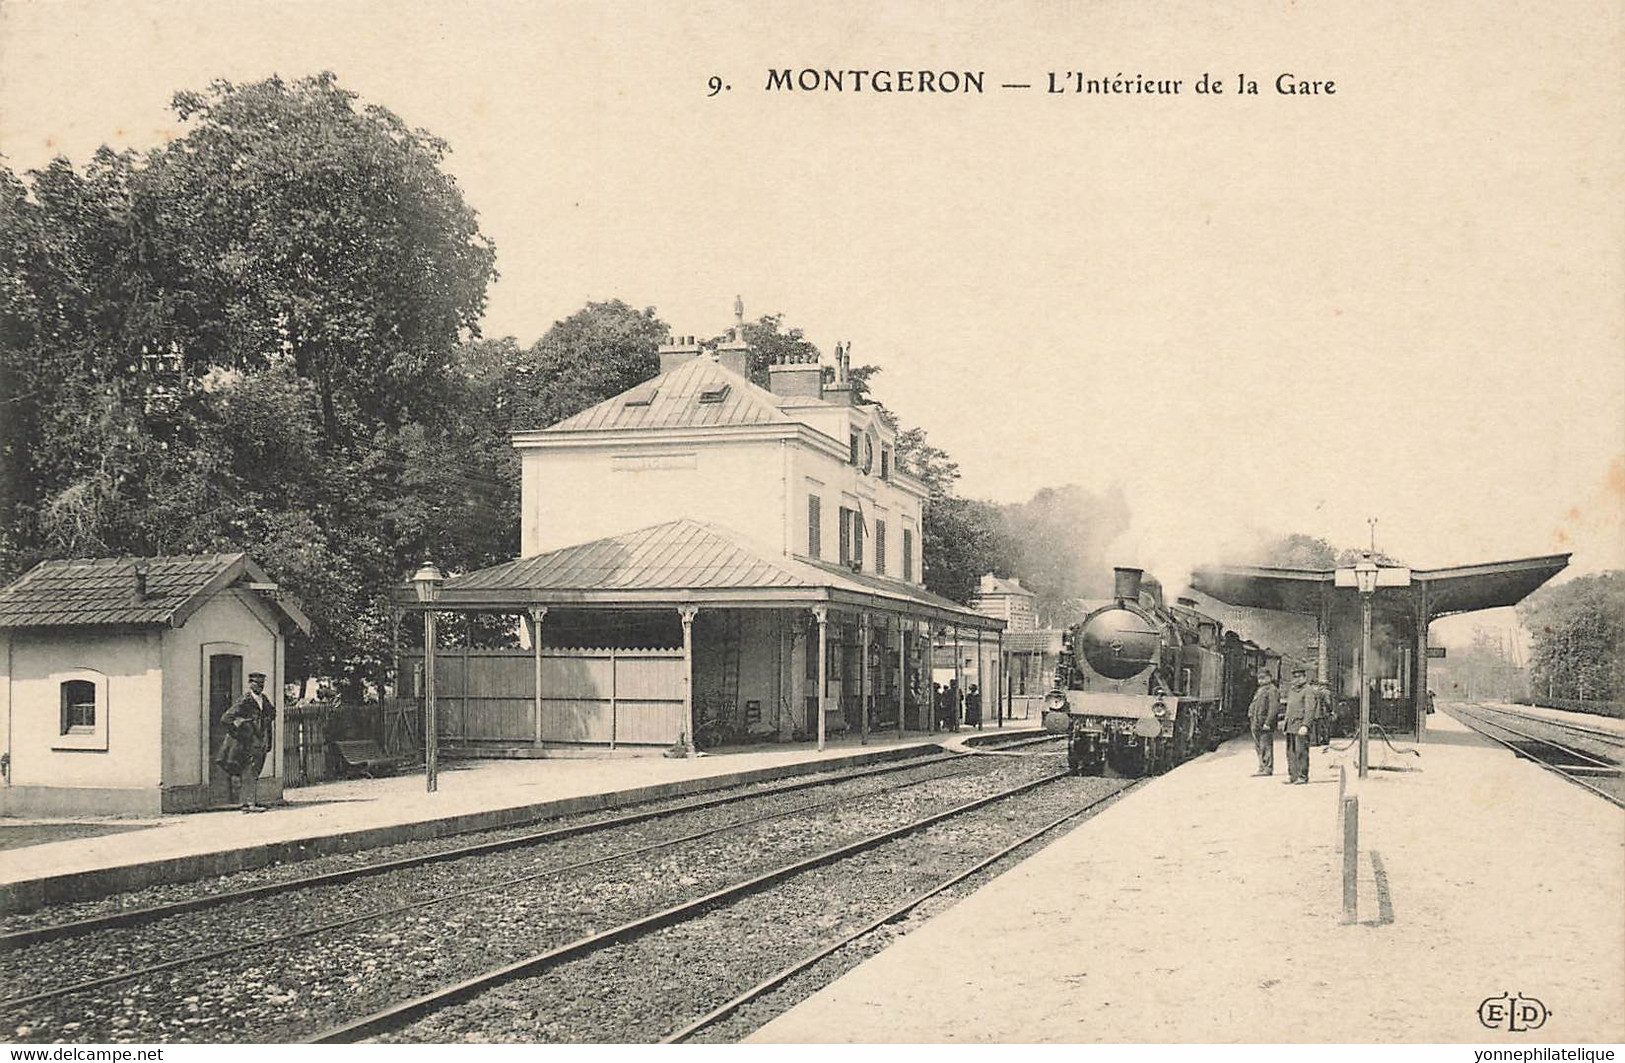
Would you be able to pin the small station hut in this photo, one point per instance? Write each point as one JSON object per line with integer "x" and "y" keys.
{"x": 115, "y": 671}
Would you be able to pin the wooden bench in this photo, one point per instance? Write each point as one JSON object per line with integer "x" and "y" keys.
{"x": 363, "y": 757}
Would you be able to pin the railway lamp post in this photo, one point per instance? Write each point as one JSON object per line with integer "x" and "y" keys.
{"x": 427, "y": 585}
{"x": 1365, "y": 578}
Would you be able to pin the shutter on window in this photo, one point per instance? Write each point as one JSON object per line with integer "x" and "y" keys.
{"x": 815, "y": 525}
{"x": 908, "y": 555}
{"x": 880, "y": 548}
{"x": 846, "y": 535}
{"x": 857, "y": 538}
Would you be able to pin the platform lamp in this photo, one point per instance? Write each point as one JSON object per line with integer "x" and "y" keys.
{"x": 427, "y": 585}
{"x": 1365, "y": 578}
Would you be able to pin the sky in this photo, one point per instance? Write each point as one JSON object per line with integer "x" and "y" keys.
{"x": 1258, "y": 314}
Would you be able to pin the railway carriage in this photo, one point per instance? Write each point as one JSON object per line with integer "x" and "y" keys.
{"x": 1143, "y": 685}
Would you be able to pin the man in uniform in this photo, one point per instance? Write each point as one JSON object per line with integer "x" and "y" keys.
{"x": 1301, "y": 704}
{"x": 1261, "y": 715}
{"x": 249, "y": 725}
{"x": 1322, "y": 736}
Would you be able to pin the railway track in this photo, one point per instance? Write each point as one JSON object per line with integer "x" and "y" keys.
{"x": 289, "y": 951}
{"x": 506, "y": 1003}
{"x": 1597, "y": 769}
{"x": 36, "y": 927}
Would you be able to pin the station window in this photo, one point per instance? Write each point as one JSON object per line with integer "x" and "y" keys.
{"x": 78, "y": 707}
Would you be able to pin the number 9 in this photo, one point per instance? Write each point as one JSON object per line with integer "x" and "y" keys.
{"x": 714, "y": 83}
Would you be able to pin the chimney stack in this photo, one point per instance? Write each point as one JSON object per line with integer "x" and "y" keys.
{"x": 1127, "y": 583}
{"x": 733, "y": 353}
{"x": 140, "y": 593}
{"x": 797, "y": 376}
{"x": 675, "y": 351}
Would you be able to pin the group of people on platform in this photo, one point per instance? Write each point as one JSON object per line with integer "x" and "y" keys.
{"x": 1305, "y": 716}
{"x": 952, "y": 709}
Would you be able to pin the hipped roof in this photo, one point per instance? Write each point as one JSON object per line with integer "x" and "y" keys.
{"x": 674, "y": 402}
{"x": 79, "y": 592}
{"x": 683, "y": 562}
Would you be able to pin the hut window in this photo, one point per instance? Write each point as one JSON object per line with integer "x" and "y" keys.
{"x": 78, "y": 707}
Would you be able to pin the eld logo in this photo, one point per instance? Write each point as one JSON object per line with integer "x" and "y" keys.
{"x": 1517, "y": 1014}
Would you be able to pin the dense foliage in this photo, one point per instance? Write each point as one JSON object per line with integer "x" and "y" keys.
{"x": 1578, "y": 631}
{"x": 250, "y": 339}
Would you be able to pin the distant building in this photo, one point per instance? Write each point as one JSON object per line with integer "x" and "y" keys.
{"x": 114, "y": 673}
{"x": 686, "y": 547}
{"x": 1008, "y": 600}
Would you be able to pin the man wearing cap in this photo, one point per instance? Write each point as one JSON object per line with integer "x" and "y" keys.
{"x": 249, "y": 725}
{"x": 1301, "y": 704}
{"x": 1261, "y": 715}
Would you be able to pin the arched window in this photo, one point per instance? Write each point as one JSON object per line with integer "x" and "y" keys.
{"x": 78, "y": 707}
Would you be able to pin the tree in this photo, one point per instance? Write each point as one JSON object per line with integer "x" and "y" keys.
{"x": 598, "y": 351}
{"x": 297, "y": 224}
{"x": 247, "y": 340}
{"x": 1057, "y": 542}
{"x": 960, "y": 539}
{"x": 1578, "y": 631}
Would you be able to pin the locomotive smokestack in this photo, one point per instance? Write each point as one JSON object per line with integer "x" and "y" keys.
{"x": 1127, "y": 583}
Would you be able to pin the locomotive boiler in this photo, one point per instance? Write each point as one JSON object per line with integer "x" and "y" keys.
{"x": 1143, "y": 685}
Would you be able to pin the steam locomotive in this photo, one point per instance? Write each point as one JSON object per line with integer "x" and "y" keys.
{"x": 1143, "y": 685}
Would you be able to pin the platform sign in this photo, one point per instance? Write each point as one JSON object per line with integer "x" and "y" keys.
{"x": 1436, "y": 653}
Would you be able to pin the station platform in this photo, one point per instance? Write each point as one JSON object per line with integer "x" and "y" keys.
{"x": 1207, "y": 907}
{"x": 345, "y": 816}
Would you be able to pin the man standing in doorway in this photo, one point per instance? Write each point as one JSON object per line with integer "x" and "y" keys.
{"x": 1261, "y": 714}
{"x": 249, "y": 725}
{"x": 1301, "y": 703}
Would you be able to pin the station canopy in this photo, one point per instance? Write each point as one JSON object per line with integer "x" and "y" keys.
{"x": 1461, "y": 589}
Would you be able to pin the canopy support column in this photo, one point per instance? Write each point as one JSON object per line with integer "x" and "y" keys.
{"x": 821, "y": 618}
{"x": 687, "y": 614}
{"x": 863, "y": 678}
{"x": 902, "y": 673}
{"x": 538, "y": 613}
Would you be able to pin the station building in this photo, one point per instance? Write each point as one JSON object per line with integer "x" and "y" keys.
{"x": 115, "y": 671}
{"x": 1404, "y": 603}
{"x": 701, "y": 557}
{"x": 1031, "y": 653}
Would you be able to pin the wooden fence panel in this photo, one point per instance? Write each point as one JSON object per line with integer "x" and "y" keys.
{"x": 649, "y": 722}
{"x": 588, "y": 695}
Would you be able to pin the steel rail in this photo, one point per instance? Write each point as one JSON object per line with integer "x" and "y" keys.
{"x": 1457, "y": 712}
{"x": 1612, "y": 738}
{"x": 1579, "y": 753}
{"x": 407, "y": 1011}
{"x": 485, "y": 887}
{"x": 774, "y": 981}
{"x": 1000, "y": 747}
{"x": 77, "y": 928}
